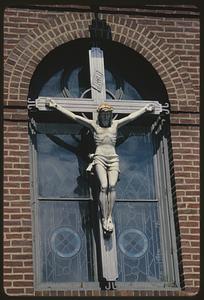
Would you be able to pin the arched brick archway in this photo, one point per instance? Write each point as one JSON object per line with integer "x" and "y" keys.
{"x": 24, "y": 59}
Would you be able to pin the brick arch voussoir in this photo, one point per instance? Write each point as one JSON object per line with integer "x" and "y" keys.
{"x": 158, "y": 53}
{"x": 24, "y": 59}
{"x": 35, "y": 46}
{"x": 171, "y": 63}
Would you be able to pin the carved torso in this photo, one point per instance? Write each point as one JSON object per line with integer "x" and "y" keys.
{"x": 105, "y": 139}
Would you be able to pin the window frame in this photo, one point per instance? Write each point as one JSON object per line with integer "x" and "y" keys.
{"x": 161, "y": 165}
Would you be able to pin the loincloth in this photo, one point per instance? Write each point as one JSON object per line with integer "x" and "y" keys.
{"x": 109, "y": 163}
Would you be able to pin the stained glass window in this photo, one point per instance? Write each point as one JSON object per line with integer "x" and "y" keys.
{"x": 137, "y": 178}
{"x": 139, "y": 243}
{"x": 65, "y": 241}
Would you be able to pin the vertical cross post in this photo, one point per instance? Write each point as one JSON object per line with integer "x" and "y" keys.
{"x": 97, "y": 76}
{"x": 98, "y": 93}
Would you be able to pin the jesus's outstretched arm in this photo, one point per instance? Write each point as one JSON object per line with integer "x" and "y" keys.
{"x": 135, "y": 115}
{"x": 81, "y": 120}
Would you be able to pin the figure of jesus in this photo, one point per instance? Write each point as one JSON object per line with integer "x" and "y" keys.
{"x": 105, "y": 161}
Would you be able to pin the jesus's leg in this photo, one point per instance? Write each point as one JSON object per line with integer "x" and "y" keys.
{"x": 112, "y": 180}
{"x": 103, "y": 201}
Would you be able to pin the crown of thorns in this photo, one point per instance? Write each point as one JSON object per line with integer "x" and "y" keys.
{"x": 104, "y": 107}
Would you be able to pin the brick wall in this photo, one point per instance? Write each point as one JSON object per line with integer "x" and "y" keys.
{"x": 18, "y": 271}
{"x": 171, "y": 44}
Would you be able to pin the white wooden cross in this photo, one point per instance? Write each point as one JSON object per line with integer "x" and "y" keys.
{"x": 98, "y": 95}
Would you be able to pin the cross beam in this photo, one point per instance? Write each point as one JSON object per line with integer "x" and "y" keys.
{"x": 90, "y": 105}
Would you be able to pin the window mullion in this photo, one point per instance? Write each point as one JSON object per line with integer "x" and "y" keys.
{"x": 165, "y": 211}
{"x": 161, "y": 194}
{"x": 169, "y": 203}
{"x": 63, "y": 199}
{"x": 138, "y": 200}
{"x": 35, "y": 206}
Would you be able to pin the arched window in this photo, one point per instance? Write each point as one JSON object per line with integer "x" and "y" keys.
{"x": 66, "y": 242}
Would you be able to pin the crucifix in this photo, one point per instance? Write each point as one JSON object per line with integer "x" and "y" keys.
{"x": 105, "y": 161}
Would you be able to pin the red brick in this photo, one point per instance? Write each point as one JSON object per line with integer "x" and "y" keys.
{"x": 21, "y": 243}
{"x": 22, "y": 283}
{"x": 12, "y": 250}
{"x": 22, "y": 256}
{"x": 189, "y": 224}
{"x": 13, "y": 236}
{"x": 13, "y": 263}
{"x": 16, "y": 291}
{"x": 13, "y": 277}
{"x": 23, "y": 270}
{"x": 190, "y": 250}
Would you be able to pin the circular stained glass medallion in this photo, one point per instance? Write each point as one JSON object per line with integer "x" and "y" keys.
{"x": 65, "y": 242}
{"x": 133, "y": 243}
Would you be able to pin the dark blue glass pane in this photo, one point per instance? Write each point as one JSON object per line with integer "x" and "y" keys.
{"x": 128, "y": 92}
{"x": 52, "y": 87}
{"x": 138, "y": 242}
{"x": 136, "y": 165}
{"x": 62, "y": 166}
{"x": 77, "y": 82}
{"x": 65, "y": 245}
{"x": 110, "y": 82}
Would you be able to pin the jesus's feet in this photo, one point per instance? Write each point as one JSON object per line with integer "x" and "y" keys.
{"x": 110, "y": 224}
{"x": 107, "y": 226}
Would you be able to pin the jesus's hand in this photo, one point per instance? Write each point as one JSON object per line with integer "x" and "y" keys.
{"x": 51, "y": 103}
{"x": 149, "y": 107}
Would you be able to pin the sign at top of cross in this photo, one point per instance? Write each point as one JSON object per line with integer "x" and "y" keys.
{"x": 97, "y": 75}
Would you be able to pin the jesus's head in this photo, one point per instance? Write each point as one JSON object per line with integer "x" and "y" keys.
{"x": 105, "y": 115}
